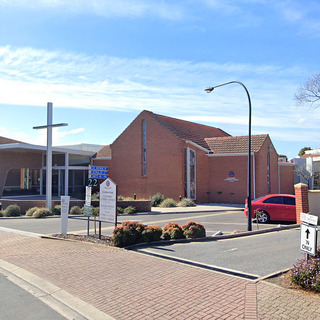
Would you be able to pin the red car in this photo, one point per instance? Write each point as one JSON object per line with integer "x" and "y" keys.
{"x": 278, "y": 207}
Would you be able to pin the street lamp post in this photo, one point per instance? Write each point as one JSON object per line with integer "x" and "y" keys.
{"x": 210, "y": 89}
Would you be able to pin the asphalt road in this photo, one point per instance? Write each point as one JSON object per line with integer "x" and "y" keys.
{"x": 17, "y": 303}
{"x": 214, "y": 221}
{"x": 253, "y": 256}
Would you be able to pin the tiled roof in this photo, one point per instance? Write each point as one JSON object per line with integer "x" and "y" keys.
{"x": 104, "y": 152}
{"x": 4, "y": 140}
{"x": 224, "y": 145}
{"x": 189, "y": 130}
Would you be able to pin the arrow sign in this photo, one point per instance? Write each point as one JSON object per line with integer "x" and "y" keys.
{"x": 308, "y": 238}
{"x": 307, "y": 233}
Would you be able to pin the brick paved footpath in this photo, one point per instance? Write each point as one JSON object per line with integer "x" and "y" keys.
{"x": 129, "y": 285}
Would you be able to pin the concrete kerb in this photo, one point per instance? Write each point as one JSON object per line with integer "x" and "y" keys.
{"x": 59, "y": 300}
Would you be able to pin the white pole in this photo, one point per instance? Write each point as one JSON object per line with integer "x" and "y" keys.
{"x": 49, "y": 157}
{"x": 66, "y": 174}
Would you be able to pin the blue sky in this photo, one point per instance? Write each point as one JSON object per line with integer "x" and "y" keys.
{"x": 102, "y": 62}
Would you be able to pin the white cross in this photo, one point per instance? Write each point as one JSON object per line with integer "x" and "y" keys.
{"x": 49, "y": 127}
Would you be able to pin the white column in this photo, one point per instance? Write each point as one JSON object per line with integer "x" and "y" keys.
{"x": 49, "y": 157}
{"x": 66, "y": 174}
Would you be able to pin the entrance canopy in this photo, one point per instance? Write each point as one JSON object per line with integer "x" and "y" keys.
{"x": 23, "y": 166}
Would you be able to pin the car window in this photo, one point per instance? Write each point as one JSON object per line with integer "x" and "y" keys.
{"x": 289, "y": 200}
{"x": 276, "y": 200}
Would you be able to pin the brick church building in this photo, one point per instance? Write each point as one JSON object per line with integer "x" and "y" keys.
{"x": 179, "y": 158}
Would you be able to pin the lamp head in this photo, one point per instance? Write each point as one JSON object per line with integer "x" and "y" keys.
{"x": 208, "y": 90}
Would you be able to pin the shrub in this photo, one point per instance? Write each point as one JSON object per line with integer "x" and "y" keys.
{"x": 95, "y": 196}
{"x": 307, "y": 273}
{"x": 157, "y": 199}
{"x": 12, "y": 211}
{"x": 193, "y": 230}
{"x": 1, "y": 213}
{"x": 129, "y": 232}
{"x": 172, "y": 231}
{"x": 56, "y": 210}
{"x": 95, "y": 211}
{"x": 185, "y": 202}
{"x": 129, "y": 210}
{"x": 168, "y": 203}
{"x": 30, "y": 211}
{"x": 41, "y": 213}
{"x": 120, "y": 198}
{"x": 151, "y": 233}
{"x": 75, "y": 210}
{"x": 120, "y": 210}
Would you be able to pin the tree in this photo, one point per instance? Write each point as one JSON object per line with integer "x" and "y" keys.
{"x": 303, "y": 151}
{"x": 283, "y": 156}
{"x": 309, "y": 92}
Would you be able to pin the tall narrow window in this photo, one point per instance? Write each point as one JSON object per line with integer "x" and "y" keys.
{"x": 144, "y": 148}
{"x": 268, "y": 172}
{"x": 190, "y": 174}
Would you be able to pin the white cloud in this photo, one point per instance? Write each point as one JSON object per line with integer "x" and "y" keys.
{"x": 106, "y": 8}
{"x": 33, "y": 77}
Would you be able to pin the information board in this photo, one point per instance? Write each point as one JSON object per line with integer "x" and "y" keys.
{"x": 65, "y": 203}
{"x": 108, "y": 202}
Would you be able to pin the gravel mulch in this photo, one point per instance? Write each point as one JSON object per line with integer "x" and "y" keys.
{"x": 94, "y": 238}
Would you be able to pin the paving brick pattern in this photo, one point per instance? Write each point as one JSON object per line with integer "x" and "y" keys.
{"x": 126, "y": 284}
{"x": 279, "y": 303}
{"x": 129, "y": 285}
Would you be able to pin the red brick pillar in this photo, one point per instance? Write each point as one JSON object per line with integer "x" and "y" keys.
{"x": 302, "y": 202}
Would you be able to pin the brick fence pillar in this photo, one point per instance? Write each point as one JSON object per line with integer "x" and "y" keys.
{"x": 302, "y": 202}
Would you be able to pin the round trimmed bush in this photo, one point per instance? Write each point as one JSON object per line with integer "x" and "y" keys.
{"x": 193, "y": 230}
{"x": 151, "y": 233}
{"x": 157, "y": 199}
{"x": 168, "y": 203}
{"x": 41, "y": 213}
{"x": 12, "y": 211}
{"x": 56, "y": 210}
{"x": 75, "y": 210}
{"x": 128, "y": 233}
{"x": 186, "y": 202}
{"x": 30, "y": 211}
{"x": 172, "y": 231}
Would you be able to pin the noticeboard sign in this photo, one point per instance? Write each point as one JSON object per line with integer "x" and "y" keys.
{"x": 98, "y": 172}
{"x": 108, "y": 202}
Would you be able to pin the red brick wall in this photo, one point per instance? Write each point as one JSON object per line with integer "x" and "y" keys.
{"x": 222, "y": 189}
{"x": 16, "y": 160}
{"x": 165, "y": 161}
{"x": 261, "y": 166}
{"x": 286, "y": 179}
{"x": 302, "y": 201}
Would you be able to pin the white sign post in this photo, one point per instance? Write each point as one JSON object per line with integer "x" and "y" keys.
{"x": 308, "y": 234}
{"x": 65, "y": 203}
{"x": 308, "y": 239}
{"x": 108, "y": 202}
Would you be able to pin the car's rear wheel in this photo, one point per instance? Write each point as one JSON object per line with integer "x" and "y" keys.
{"x": 262, "y": 217}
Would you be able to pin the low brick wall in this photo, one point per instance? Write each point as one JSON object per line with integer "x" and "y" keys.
{"x": 140, "y": 205}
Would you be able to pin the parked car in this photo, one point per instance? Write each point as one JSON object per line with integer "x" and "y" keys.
{"x": 278, "y": 207}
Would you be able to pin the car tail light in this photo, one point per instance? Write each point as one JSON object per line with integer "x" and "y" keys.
{"x": 246, "y": 203}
